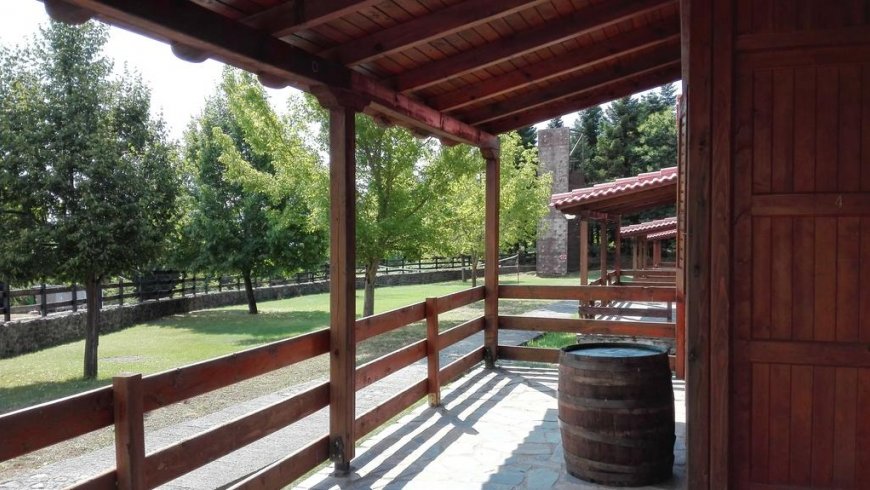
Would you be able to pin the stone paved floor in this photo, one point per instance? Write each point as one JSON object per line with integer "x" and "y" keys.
{"x": 496, "y": 430}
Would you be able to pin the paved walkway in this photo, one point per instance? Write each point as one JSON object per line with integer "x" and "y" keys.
{"x": 496, "y": 430}
{"x": 265, "y": 451}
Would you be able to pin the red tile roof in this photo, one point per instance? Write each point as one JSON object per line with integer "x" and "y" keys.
{"x": 662, "y": 235}
{"x": 649, "y": 227}
{"x": 590, "y": 197}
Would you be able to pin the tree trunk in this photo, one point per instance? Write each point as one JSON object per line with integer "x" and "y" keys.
{"x": 462, "y": 268}
{"x": 369, "y": 297}
{"x": 474, "y": 271}
{"x": 249, "y": 292}
{"x": 92, "y": 327}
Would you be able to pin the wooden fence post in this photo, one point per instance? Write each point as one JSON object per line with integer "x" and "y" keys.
{"x": 75, "y": 297}
{"x": 120, "y": 291}
{"x": 129, "y": 431}
{"x": 43, "y": 301}
{"x": 433, "y": 352}
{"x": 5, "y": 292}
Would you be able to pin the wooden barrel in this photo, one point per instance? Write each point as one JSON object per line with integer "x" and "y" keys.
{"x": 616, "y": 413}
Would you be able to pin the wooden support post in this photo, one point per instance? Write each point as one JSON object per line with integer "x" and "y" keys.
{"x": 75, "y": 298}
{"x": 584, "y": 252}
{"x": 602, "y": 253}
{"x": 342, "y": 273}
{"x": 129, "y": 431}
{"x": 5, "y": 302}
{"x": 634, "y": 264}
{"x": 493, "y": 180}
{"x": 43, "y": 301}
{"x": 657, "y": 254}
{"x": 617, "y": 260}
{"x": 433, "y": 352}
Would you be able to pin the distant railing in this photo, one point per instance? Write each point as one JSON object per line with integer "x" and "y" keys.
{"x": 124, "y": 403}
{"x": 45, "y": 299}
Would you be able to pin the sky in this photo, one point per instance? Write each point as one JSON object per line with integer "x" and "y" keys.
{"x": 178, "y": 88}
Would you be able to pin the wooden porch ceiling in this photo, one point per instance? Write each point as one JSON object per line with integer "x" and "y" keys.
{"x": 461, "y": 70}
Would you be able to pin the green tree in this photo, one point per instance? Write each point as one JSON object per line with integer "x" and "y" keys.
{"x": 556, "y": 122}
{"x": 249, "y": 211}
{"x": 398, "y": 186}
{"x": 461, "y": 213}
{"x": 614, "y": 156}
{"x": 529, "y": 136}
{"x": 88, "y": 182}
{"x": 584, "y": 139}
{"x": 657, "y": 142}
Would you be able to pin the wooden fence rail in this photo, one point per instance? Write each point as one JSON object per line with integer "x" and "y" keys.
{"x": 130, "y": 397}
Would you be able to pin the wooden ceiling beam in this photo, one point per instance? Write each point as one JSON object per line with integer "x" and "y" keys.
{"x": 586, "y": 20}
{"x": 202, "y": 30}
{"x": 297, "y": 15}
{"x": 443, "y": 22}
{"x": 630, "y": 85}
{"x": 620, "y": 45}
{"x": 637, "y": 65}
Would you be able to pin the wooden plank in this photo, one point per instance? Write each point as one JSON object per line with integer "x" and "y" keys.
{"x": 845, "y": 354}
{"x": 571, "y": 85}
{"x": 801, "y": 423}
{"x": 375, "y": 417}
{"x": 848, "y": 279}
{"x": 612, "y": 311}
{"x": 342, "y": 286}
{"x": 460, "y": 332}
{"x": 812, "y": 204}
{"x": 433, "y": 364}
{"x": 780, "y": 442}
{"x": 804, "y": 130}
{"x": 438, "y": 24}
{"x": 782, "y": 130}
{"x": 616, "y": 46}
{"x": 826, "y": 129}
{"x": 283, "y": 472}
{"x": 862, "y": 433}
{"x": 106, "y": 480}
{"x": 460, "y": 366}
{"x": 388, "y": 321}
{"x": 761, "y": 124}
{"x": 172, "y": 386}
{"x": 824, "y": 382}
{"x": 825, "y": 262}
{"x": 529, "y": 354}
{"x": 864, "y": 314}
{"x": 52, "y": 422}
{"x": 460, "y": 299}
{"x": 760, "y": 434}
{"x": 585, "y": 20}
{"x": 184, "y": 456}
{"x": 292, "y": 16}
{"x": 849, "y": 129}
{"x": 602, "y": 250}
{"x": 635, "y": 284}
{"x": 845, "y": 424}
{"x": 650, "y": 273}
{"x": 606, "y": 327}
{"x": 601, "y": 293}
{"x": 491, "y": 232}
{"x": 803, "y": 302}
{"x": 790, "y": 39}
{"x": 781, "y": 266}
{"x": 698, "y": 80}
{"x": 129, "y": 431}
{"x": 388, "y": 364}
{"x": 624, "y": 87}
{"x": 761, "y": 278}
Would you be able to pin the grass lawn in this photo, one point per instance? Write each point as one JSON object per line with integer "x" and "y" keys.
{"x": 183, "y": 339}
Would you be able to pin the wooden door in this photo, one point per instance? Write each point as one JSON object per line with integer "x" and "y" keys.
{"x": 785, "y": 156}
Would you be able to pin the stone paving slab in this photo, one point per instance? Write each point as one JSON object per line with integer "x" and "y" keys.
{"x": 497, "y": 429}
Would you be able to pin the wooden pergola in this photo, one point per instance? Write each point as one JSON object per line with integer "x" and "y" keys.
{"x": 642, "y": 234}
{"x": 773, "y": 144}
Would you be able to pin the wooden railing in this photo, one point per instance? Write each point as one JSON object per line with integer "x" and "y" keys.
{"x": 585, "y": 295}
{"x": 125, "y": 402}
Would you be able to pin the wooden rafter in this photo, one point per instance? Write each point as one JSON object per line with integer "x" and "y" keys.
{"x": 627, "y": 86}
{"x": 296, "y": 15}
{"x": 648, "y": 62}
{"x": 579, "y": 23}
{"x": 202, "y": 30}
{"x": 617, "y": 46}
{"x": 443, "y": 22}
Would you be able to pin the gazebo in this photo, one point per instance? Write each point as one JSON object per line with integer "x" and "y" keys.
{"x": 776, "y": 225}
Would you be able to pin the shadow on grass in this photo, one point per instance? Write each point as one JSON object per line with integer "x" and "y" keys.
{"x": 264, "y": 327}
{"x": 13, "y": 398}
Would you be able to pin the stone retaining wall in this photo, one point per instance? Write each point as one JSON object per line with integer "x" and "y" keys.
{"x": 30, "y": 335}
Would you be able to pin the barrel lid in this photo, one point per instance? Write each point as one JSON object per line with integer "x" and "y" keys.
{"x": 612, "y": 350}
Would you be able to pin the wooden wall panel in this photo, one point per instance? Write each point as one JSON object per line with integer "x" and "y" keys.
{"x": 799, "y": 131}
